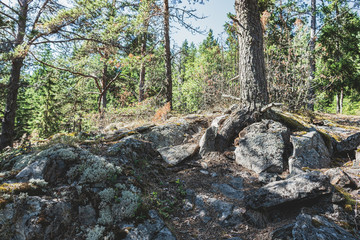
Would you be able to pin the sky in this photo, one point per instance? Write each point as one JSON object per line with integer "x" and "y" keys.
{"x": 216, "y": 12}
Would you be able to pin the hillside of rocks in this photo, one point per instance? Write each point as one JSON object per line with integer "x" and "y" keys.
{"x": 284, "y": 177}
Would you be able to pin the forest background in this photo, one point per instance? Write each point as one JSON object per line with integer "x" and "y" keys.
{"x": 90, "y": 63}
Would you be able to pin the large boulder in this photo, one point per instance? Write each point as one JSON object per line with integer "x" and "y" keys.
{"x": 168, "y": 135}
{"x": 176, "y": 154}
{"x": 318, "y": 227}
{"x": 309, "y": 150}
{"x": 262, "y": 147}
{"x": 304, "y": 186}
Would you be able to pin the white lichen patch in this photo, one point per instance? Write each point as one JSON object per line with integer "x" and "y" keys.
{"x": 95, "y": 169}
{"x": 95, "y": 233}
{"x": 127, "y": 206}
{"x": 107, "y": 195}
{"x": 113, "y": 208}
{"x": 105, "y": 215}
{"x": 38, "y": 182}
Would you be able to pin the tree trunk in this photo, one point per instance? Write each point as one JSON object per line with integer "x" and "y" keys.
{"x": 253, "y": 92}
{"x": 103, "y": 96}
{"x": 8, "y": 122}
{"x": 142, "y": 67}
{"x": 167, "y": 53}
{"x": 310, "y": 95}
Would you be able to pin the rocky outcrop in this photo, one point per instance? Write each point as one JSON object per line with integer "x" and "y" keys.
{"x": 301, "y": 187}
{"x": 262, "y": 147}
{"x": 128, "y": 188}
{"x": 309, "y": 150}
{"x": 318, "y": 227}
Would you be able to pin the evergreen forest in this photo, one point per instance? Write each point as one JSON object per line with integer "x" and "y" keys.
{"x": 76, "y": 66}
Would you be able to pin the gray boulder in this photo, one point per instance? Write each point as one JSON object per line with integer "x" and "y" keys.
{"x": 177, "y": 154}
{"x": 299, "y": 187}
{"x": 262, "y": 146}
{"x": 207, "y": 141}
{"x": 132, "y": 149}
{"x": 340, "y": 178}
{"x": 309, "y": 150}
{"x": 320, "y": 228}
{"x": 349, "y": 144}
{"x": 167, "y": 135}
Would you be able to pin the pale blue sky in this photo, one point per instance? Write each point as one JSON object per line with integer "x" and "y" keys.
{"x": 216, "y": 10}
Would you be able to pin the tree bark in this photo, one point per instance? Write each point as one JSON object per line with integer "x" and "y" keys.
{"x": 253, "y": 92}
{"x": 253, "y": 84}
{"x": 310, "y": 95}
{"x": 167, "y": 53}
{"x": 142, "y": 67}
{"x": 8, "y": 122}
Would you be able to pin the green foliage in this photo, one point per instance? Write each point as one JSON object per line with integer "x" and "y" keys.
{"x": 338, "y": 65}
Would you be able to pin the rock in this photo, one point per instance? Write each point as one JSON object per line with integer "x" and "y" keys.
{"x": 340, "y": 178}
{"x": 167, "y": 135}
{"x": 261, "y": 147}
{"x": 207, "y": 141}
{"x": 318, "y": 227}
{"x": 34, "y": 170}
{"x": 223, "y": 209}
{"x": 349, "y": 144}
{"x": 309, "y": 150}
{"x": 228, "y": 191}
{"x": 153, "y": 228}
{"x": 304, "y": 186}
{"x": 50, "y": 164}
{"x": 177, "y": 154}
{"x": 87, "y": 215}
{"x": 268, "y": 177}
{"x": 132, "y": 149}
{"x": 282, "y": 233}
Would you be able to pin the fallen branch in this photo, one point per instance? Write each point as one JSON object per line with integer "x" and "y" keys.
{"x": 269, "y": 106}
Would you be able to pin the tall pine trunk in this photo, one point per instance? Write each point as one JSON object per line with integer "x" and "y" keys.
{"x": 310, "y": 94}
{"x": 167, "y": 53}
{"x": 8, "y": 122}
{"x": 253, "y": 85}
{"x": 253, "y": 92}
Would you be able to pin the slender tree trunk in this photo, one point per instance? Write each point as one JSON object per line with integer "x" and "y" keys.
{"x": 104, "y": 82}
{"x": 341, "y": 100}
{"x": 8, "y": 122}
{"x": 310, "y": 95}
{"x": 142, "y": 67}
{"x": 167, "y": 53}
{"x": 253, "y": 92}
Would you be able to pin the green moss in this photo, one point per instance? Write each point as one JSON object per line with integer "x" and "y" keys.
{"x": 348, "y": 198}
{"x": 292, "y": 122}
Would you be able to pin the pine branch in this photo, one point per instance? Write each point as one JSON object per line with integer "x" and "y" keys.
{"x": 12, "y": 9}
{"x": 7, "y": 15}
{"x": 63, "y": 69}
{"x": 39, "y": 14}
